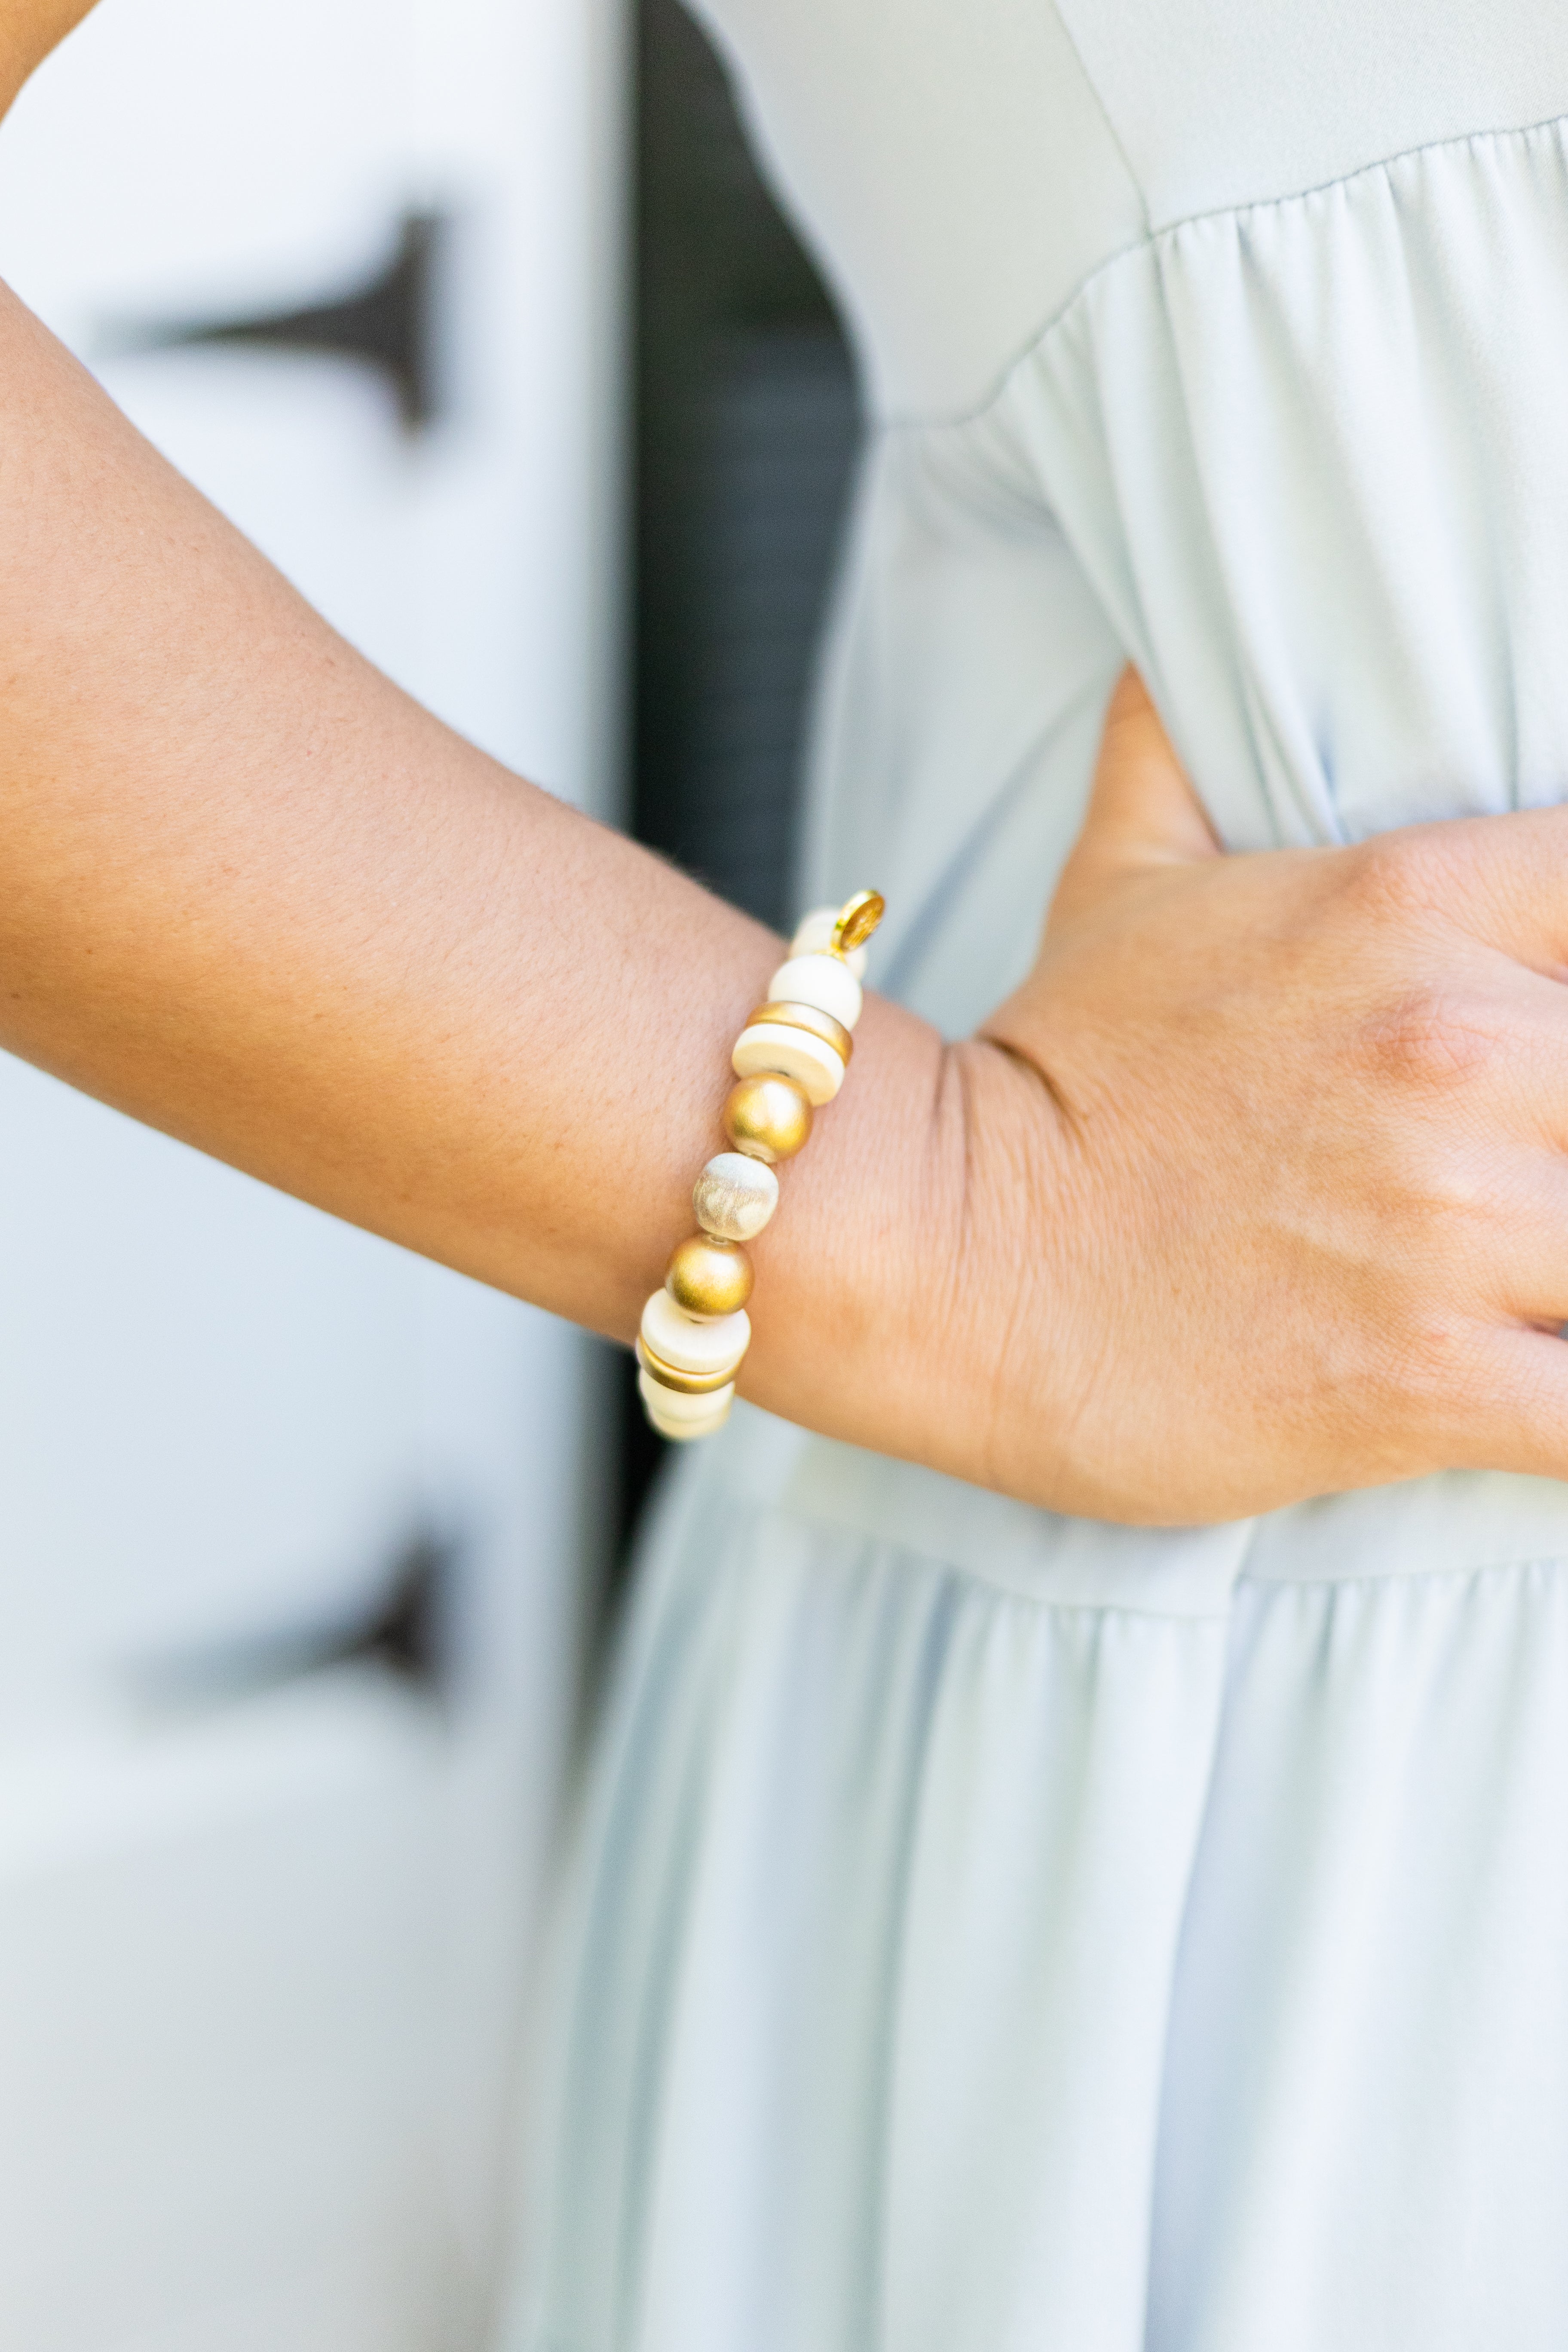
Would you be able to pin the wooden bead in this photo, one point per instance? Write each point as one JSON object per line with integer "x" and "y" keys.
{"x": 734, "y": 1196}
{"x": 683, "y": 1418}
{"x": 824, "y": 981}
{"x": 806, "y": 1016}
{"x": 768, "y": 1117}
{"x": 678, "y": 1338}
{"x": 667, "y": 1377}
{"x": 792, "y": 1053}
{"x": 708, "y": 1277}
{"x": 814, "y": 934}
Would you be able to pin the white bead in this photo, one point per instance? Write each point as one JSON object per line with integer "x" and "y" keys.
{"x": 791, "y": 1054}
{"x": 734, "y": 1196}
{"x": 824, "y": 981}
{"x": 814, "y": 934}
{"x": 682, "y": 1417}
{"x": 688, "y": 1346}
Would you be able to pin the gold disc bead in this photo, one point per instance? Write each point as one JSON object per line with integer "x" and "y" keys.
{"x": 806, "y": 1016}
{"x": 708, "y": 1277}
{"x": 767, "y": 1118}
{"x": 666, "y": 1376}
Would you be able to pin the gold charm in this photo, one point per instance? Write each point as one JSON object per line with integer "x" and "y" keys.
{"x": 857, "y": 919}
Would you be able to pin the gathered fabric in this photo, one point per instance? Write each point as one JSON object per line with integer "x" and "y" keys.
{"x": 990, "y": 1930}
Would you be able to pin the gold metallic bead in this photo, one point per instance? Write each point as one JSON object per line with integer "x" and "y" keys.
{"x": 708, "y": 1277}
{"x": 767, "y": 1118}
{"x": 806, "y": 1016}
{"x": 683, "y": 1384}
{"x": 857, "y": 919}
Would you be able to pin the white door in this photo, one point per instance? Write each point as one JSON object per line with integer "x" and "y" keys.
{"x": 267, "y": 1891}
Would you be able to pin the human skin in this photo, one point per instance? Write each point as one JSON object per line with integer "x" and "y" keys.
{"x": 1254, "y": 1191}
{"x": 29, "y": 29}
{"x": 1302, "y": 1216}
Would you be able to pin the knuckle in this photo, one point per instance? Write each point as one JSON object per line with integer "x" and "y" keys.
{"x": 1430, "y": 1041}
{"x": 1401, "y": 877}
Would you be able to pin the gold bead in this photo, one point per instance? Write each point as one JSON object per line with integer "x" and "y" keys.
{"x": 708, "y": 1277}
{"x": 806, "y": 1016}
{"x": 767, "y": 1118}
{"x": 857, "y": 919}
{"x": 682, "y": 1383}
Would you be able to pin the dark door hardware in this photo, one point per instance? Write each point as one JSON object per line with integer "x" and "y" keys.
{"x": 408, "y": 1626}
{"x": 389, "y": 325}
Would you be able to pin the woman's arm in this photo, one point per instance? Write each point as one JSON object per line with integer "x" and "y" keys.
{"x": 29, "y": 29}
{"x": 1255, "y": 1191}
{"x": 255, "y": 896}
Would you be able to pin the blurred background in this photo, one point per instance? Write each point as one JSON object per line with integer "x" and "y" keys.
{"x": 475, "y": 316}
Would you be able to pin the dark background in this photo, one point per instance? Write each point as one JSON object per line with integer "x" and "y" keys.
{"x": 746, "y": 425}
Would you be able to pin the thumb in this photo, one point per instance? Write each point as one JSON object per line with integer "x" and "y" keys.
{"x": 1143, "y": 812}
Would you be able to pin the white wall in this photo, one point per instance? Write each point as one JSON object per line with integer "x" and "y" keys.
{"x": 262, "y": 1935}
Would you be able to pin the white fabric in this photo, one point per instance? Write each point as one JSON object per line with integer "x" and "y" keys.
{"x": 906, "y": 136}
{"x": 1225, "y": 102}
{"x": 991, "y": 1931}
{"x": 961, "y": 172}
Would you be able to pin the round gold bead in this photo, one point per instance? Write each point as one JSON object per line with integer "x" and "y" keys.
{"x": 709, "y": 1277}
{"x": 767, "y": 1118}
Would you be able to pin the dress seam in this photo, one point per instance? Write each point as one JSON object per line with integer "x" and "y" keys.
{"x": 942, "y": 1565}
{"x": 939, "y": 1564}
{"x": 959, "y": 421}
{"x": 1512, "y": 1566}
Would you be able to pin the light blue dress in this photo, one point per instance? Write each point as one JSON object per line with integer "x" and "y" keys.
{"x": 991, "y": 1931}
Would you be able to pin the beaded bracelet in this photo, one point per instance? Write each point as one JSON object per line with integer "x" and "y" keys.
{"x": 789, "y": 1059}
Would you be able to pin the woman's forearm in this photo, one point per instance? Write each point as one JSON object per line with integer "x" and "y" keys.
{"x": 29, "y": 29}
{"x": 256, "y": 896}
{"x": 1254, "y": 1191}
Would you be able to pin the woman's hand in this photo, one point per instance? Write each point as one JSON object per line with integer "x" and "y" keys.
{"x": 1267, "y": 1190}
{"x": 1256, "y": 1190}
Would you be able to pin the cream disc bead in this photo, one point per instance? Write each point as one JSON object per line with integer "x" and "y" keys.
{"x": 769, "y": 1046}
{"x": 690, "y": 1346}
{"x": 814, "y": 935}
{"x": 684, "y": 1417}
{"x": 824, "y": 981}
{"x": 667, "y": 1377}
{"x": 808, "y": 1017}
{"x": 734, "y": 1196}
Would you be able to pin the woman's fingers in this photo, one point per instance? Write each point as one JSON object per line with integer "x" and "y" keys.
{"x": 1142, "y": 811}
{"x": 1509, "y": 1239}
{"x": 1475, "y": 1047}
{"x": 1517, "y": 1416}
{"x": 1306, "y": 1116}
{"x": 1499, "y": 879}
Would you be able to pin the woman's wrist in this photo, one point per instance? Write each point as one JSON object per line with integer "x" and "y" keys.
{"x": 888, "y": 1281}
